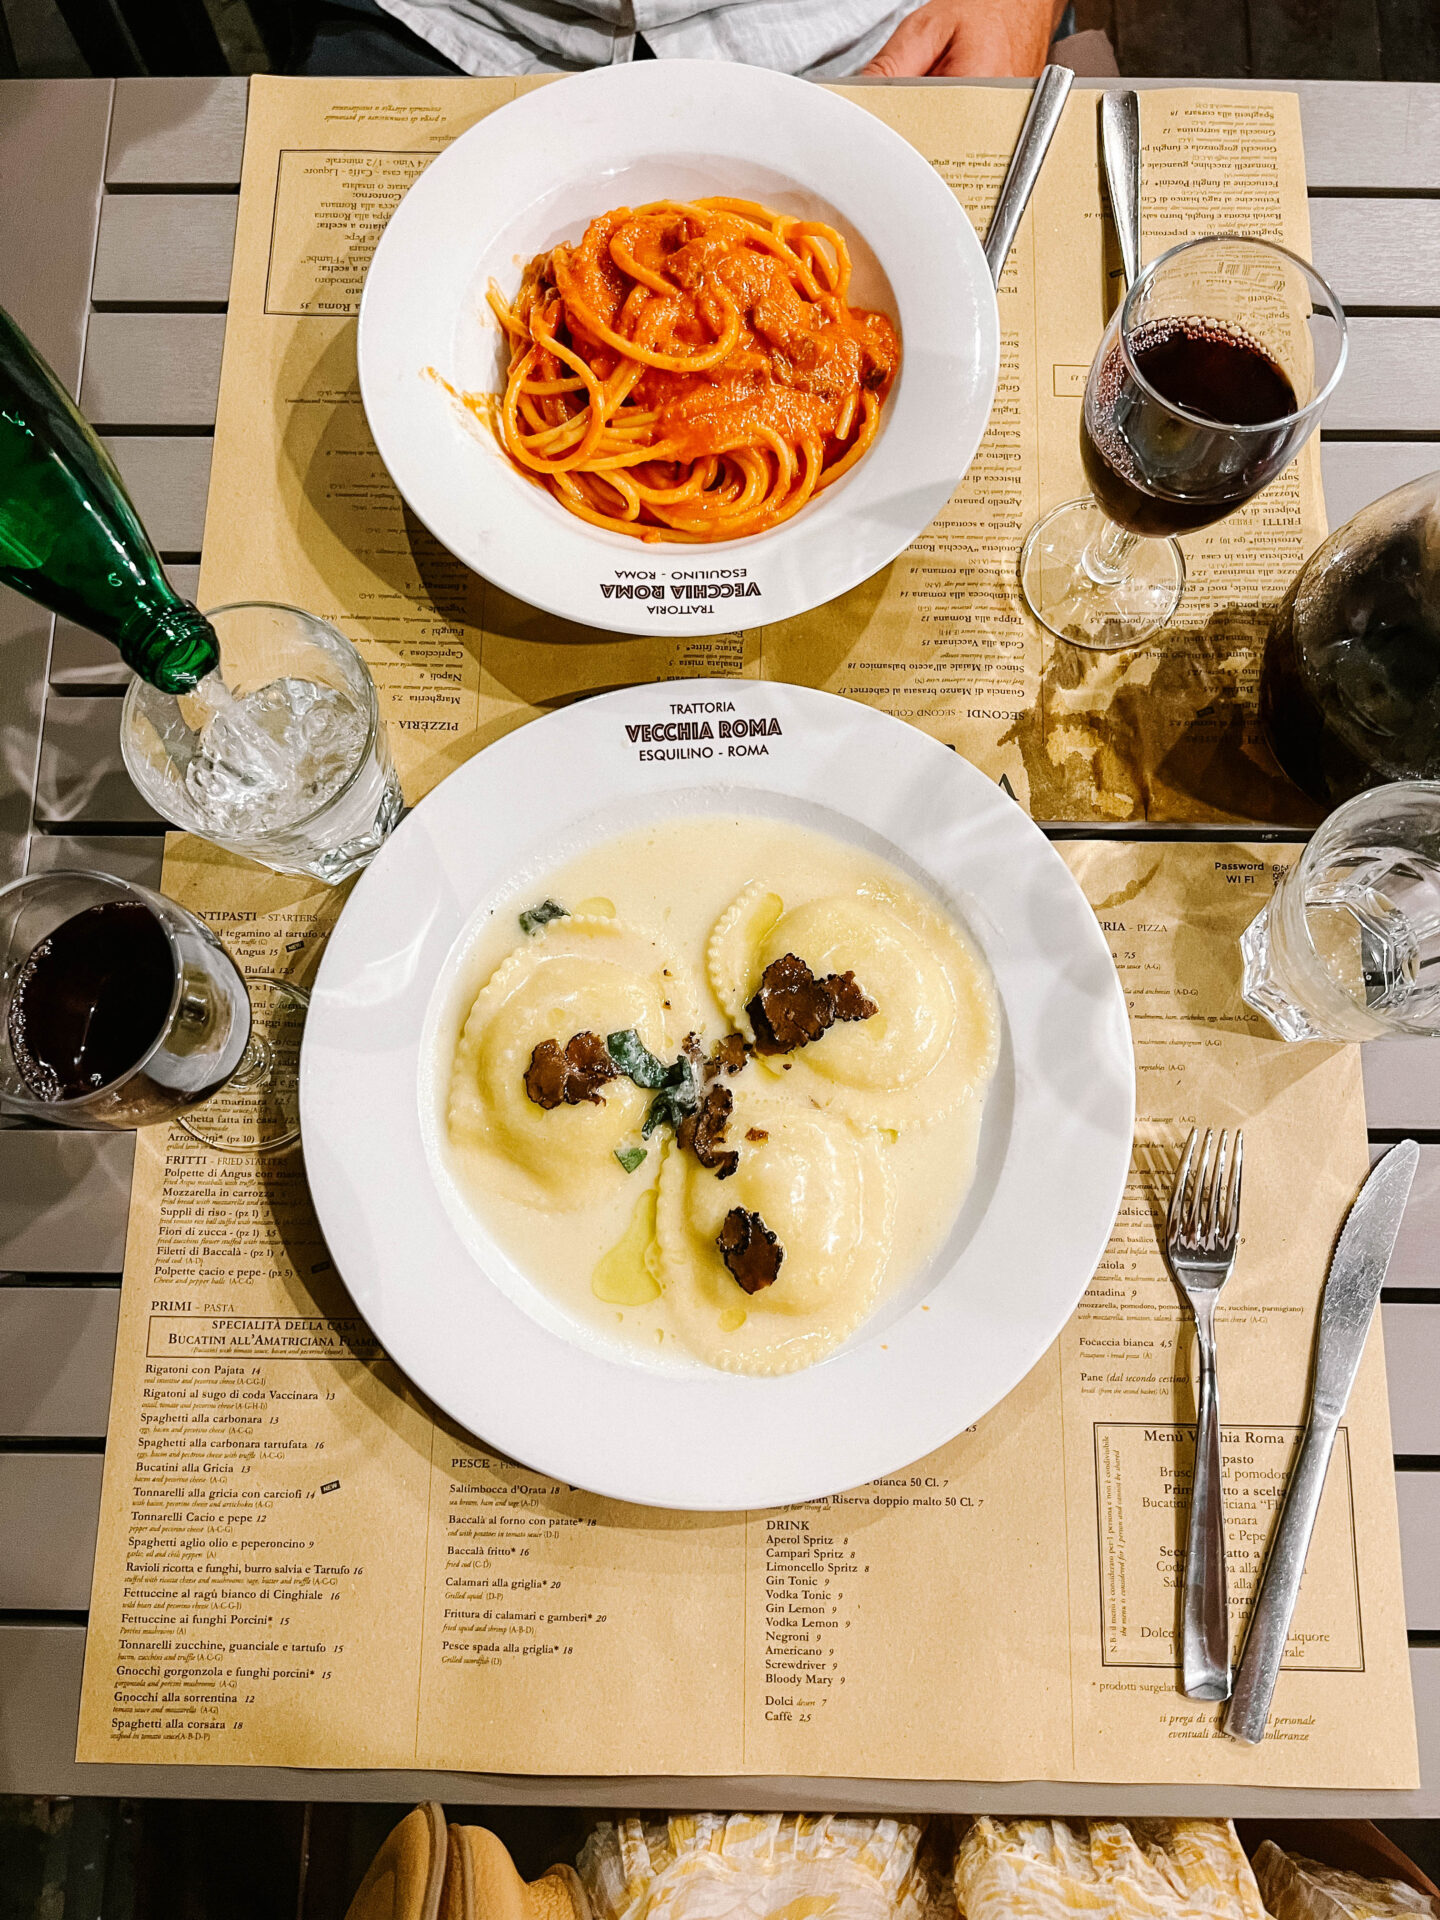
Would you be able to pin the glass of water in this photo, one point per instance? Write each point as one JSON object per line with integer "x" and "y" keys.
{"x": 1349, "y": 946}
{"x": 281, "y": 756}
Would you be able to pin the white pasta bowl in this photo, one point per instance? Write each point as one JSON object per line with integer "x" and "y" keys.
{"x": 489, "y": 1343}
{"x": 536, "y": 172}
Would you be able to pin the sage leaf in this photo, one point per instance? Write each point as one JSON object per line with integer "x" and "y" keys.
{"x": 534, "y": 918}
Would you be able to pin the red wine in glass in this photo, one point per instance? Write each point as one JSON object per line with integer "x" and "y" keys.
{"x": 90, "y": 1000}
{"x": 118, "y": 1008}
{"x": 1157, "y": 472}
{"x": 1205, "y": 385}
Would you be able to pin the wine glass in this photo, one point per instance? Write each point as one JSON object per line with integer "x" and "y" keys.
{"x": 118, "y": 1008}
{"x": 1208, "y": 381}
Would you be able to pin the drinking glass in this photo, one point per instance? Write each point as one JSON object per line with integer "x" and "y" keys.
{"x": 1208, "y": 381}
{"x": 286, "y": 762}
{"x": 1349, "y": 946}
{"x": 170, "y": 1027}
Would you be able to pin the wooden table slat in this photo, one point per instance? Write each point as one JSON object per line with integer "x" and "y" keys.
{"x": 1412, "y": 1367}
{"x": 52, "y": 159}
{"x": 168, "y": 477}
{"x": 81, "y": 662}
{"x": 176, "y": 248}
{"x": 64, "y": 1198}
{"x": 82, "y": 779}
{"x": 51, "y": 1503}
{"x": 59, "y": 1347}
{"x": 52, "y": 156}
{"x": 135, "y": 856}
{"x": 1418, "y": 1495}
{"x": 1358, "y": 472}
{"x": 1392, "y": 383}
{"x": 1380, "y": 135}
{"x": 1374, "y": 253}
{"x": 40, "y": 1685}
{"x": 165, "y": 248}
{"x": 152, "y": 369}
{"x": 1359, "y": 135}
{"x": 1402, "y": 1085}
{"x": 177, "y": 133}
{"x": 1416, "y": 1260}
{"x": 24, "y": 650}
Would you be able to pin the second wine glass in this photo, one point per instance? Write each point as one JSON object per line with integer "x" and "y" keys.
{"x": 1208, "y": 381}
{"x": 120, "y": 1008}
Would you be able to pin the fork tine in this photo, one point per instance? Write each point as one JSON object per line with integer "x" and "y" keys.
{"x": 1175, "y": 1219}
{"x": 1232, "y": 1211}
{"x": 1215, "y": 1196}
{"x": 1197, "y": 1199}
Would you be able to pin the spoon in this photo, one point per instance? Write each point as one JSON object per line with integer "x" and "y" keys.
{"x": 1120, "y": 142}
{"x": 1047, "y": 103}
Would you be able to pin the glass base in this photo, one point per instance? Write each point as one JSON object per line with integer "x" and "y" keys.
{"x": 1262, "y": 991}
{"x": 258, "y": 1108}
{"x": 1107, "y": 610}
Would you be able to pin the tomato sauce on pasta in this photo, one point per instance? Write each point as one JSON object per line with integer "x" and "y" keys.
{"x": 691, "y": 370}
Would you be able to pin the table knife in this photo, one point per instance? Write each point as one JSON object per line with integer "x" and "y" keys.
{"x": 1347, "y": 1307}
{"x": 1047, "y": 103}
{"x": 1120, "y": 144}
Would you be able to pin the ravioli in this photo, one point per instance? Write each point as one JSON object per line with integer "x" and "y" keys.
{"x": 931, "y": 1043}
{"x": 579, "y": 974}
{"x": 823, "y": 1187}
{"x": 846, "y": 1158}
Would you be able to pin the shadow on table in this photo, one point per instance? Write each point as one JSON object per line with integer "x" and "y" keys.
{"x": 1168, "y": 733}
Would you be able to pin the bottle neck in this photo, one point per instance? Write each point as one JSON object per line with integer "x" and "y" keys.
{"x": 173, "y": 647}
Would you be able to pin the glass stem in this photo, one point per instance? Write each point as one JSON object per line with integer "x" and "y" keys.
{"x": 1105, "y": 556}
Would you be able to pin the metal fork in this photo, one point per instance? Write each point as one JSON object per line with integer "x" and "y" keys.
{"x": 1201, "y": 1235}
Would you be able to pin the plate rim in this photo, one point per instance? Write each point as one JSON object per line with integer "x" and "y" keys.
{"x": 326, "y": 1107}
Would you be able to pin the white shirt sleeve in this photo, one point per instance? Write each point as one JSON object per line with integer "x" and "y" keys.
{"x": 819, "y": 39}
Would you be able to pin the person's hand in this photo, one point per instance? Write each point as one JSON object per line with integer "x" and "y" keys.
{"x": 959, "y": 37}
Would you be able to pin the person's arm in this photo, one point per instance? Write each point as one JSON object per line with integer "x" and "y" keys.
{"x": 960, "y": 37}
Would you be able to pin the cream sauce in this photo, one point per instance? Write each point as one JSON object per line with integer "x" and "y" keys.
{"x": 675, "y": 880}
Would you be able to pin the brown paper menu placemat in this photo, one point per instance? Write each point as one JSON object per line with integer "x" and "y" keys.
{"x": 299, "y": 1565}
{"x": 301, "y": 508}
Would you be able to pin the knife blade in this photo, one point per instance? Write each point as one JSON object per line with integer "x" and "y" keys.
{"x": 1120, "y": 144}
{"x": 1352, "y": 1287}
{"x": 1047, "y": 103}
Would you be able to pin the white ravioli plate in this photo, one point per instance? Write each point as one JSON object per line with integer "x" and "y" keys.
{"x": 498, "y": 1353}
{"x": 536, "y": 172}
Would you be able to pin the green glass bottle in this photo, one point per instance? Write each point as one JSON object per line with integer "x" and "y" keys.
{"x": 70, "y": 538}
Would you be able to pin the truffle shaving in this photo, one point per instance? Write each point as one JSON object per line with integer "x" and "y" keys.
{"x": 750, "y": 1250}
{"x": 791, "y": 1007}
{"x": 729, "y": 1055}
{"x": 571, "y": 1074}
{"x": 702, "y": 1131}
